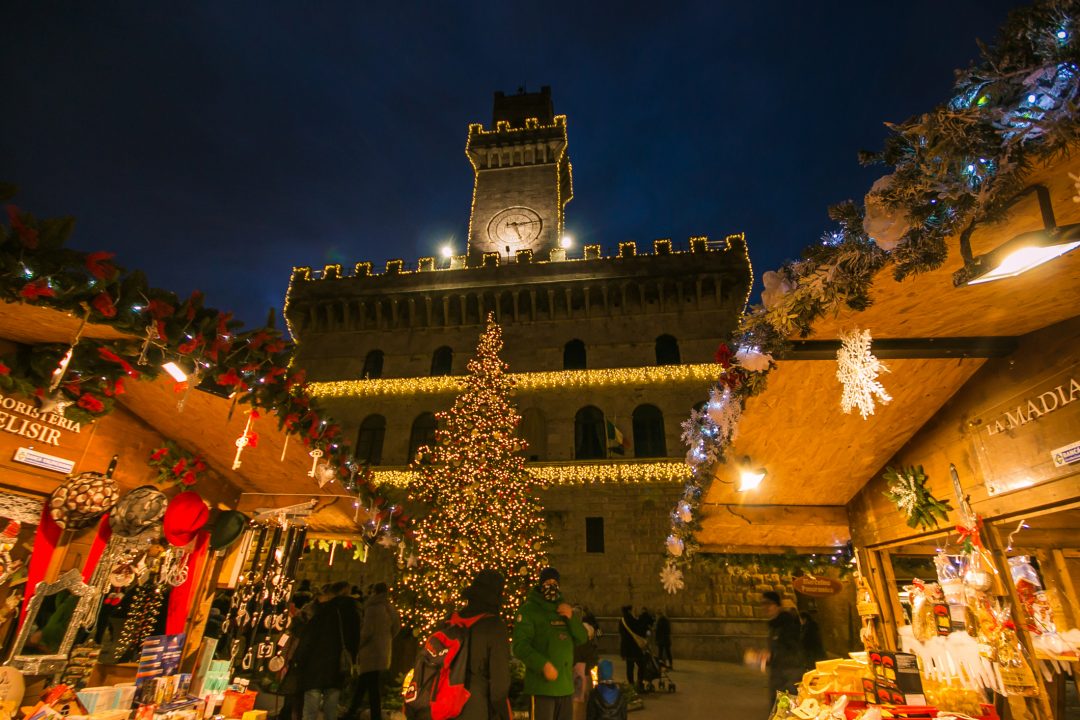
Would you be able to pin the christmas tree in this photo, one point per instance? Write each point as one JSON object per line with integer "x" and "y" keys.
{"x": 483, "y": 510}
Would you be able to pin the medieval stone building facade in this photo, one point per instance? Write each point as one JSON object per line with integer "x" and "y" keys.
{"x": 602, "y": 346}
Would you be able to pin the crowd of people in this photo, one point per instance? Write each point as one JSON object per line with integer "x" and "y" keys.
{"x": 555, "y": 641}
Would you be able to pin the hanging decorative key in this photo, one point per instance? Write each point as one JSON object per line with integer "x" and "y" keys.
{"x": 193, "y": 381}
{"x": 245, "y": 439}
{"x": 151, "y": 336}
{"x": 315, "y": 455}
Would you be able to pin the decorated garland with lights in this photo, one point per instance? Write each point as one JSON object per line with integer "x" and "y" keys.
{"x": 953, "y": 168}
{"x": 81, "y": 380}
{"x": 483, "y": 511}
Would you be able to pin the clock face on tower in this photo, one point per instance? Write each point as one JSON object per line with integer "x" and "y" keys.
{"x": 515, "y": 227}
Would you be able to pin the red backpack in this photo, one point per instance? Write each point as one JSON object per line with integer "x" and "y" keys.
{"x": 439, "y": 685}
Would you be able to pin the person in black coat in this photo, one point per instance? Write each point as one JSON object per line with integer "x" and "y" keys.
{"x": 489, "y": 650}
{"x": 813, "y": 647}
{"x": 318, "y": 657}
{"x": 662, "y": 633}
{"x": 785, "y": 646}
{"x": 631, "y": 637}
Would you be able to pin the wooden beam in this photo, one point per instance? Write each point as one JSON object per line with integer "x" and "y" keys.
{"x": 805, "y": 528}
{"x": 910, "y": 348}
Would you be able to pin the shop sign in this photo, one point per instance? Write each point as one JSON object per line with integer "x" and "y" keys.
{"x": 1066, "y": 455}
{"x": 817, "y": 586}
{"x": 27, "y": 420}
{"x": 1030, "y": 437}
{"x": 41, "y": 460}
{"x": 1032, "y": 408}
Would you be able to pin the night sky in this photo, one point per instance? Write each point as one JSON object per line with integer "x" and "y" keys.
{"x": 217, "y": 144}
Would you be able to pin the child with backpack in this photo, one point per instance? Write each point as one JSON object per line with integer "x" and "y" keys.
{"x": 463, "y": 670}
{"x": 607, "y": 701}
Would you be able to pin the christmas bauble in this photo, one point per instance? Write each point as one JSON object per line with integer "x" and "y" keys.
{"x": 675, "y": 546}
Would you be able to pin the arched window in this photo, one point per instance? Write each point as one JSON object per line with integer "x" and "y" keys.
{"x": 534, "y": 433}
{"x": 372, "y": 365}
{"x": 589, "y": 434}
{"x": 370, "y": 440}
{"x": 442, "y": 361}
{"x": 573, "y": 356}
{"x": 649, "y": 432}
{"x": 667, "y": 350}
{"x": 422, "y": 433}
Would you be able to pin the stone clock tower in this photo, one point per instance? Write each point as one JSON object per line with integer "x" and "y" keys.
{"x": 522, "y": 178}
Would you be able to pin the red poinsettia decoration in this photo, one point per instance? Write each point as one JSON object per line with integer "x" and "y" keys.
{"x": 90, "y": 403}
{"x": 103, "y": 303}
{"x": 28, "y": 236}
{"x": 99, "y": 266}
{"x": 176, "y": 466}
{"x": 4, "y": 369}
{"x": 36, "y": 289}
{"x": 724, "y": 355}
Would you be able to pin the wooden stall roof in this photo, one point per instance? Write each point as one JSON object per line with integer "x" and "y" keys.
{"x": 205, "y": 427}
{"x": 816, "y": 455}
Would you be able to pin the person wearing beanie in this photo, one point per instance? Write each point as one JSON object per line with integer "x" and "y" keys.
{"x": 607, "y": 701}
{"x": 545, "y": 633}
{"x": 489, "y": 649}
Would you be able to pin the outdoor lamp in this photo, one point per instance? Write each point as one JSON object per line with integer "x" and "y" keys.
{"x": 566, "y": 242}
{"x": 1023, "y": 252}
{"x": 447, "y": 251}
{"x": 749, "y": 477}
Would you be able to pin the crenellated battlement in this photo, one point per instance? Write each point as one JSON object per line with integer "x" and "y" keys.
{"x": 590, "y": 253}
{"x": 707, "y": 275}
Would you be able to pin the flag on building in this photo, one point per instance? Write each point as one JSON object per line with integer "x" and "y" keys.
{"x": 615, "y": 441}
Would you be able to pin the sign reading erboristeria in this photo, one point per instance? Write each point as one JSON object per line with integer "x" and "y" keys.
{"x": 21, "y": 418}
{"x": 1034, "y": 407}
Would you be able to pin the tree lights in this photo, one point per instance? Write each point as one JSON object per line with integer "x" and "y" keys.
{"x": 484, "y": 512}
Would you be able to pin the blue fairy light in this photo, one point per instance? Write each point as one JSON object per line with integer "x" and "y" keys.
{"x": 1062, "y": 34}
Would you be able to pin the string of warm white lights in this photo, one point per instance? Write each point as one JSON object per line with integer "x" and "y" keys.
{"x": 701, "y": 374}
{"x": 577, "y": 474}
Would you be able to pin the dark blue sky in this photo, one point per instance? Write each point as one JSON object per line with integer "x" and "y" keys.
{"x": 217, "y": 144}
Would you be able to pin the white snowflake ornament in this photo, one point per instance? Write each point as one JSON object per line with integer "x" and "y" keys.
{"x": 857, "y": 370}
{"x": 672, "y": 579}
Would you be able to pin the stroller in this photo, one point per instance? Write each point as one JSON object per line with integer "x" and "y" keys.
{"x": 651, "y": 673}
{"x": 654, "y": 674}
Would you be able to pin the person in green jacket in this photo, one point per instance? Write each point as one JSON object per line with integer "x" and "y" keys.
{"x": 545, "y": 633}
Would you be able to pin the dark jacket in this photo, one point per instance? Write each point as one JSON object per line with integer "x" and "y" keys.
{"x": 606, "y": 702}
{"x": 318, "y": 657}
{"x": 663, "y": 630}
{"x": 542, "y": 635}
{"x": 785, "y": 643}
{"x": 489, "y": 667}
{"x": 628, "y": 646}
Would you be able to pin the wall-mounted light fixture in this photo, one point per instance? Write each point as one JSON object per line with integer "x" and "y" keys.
{"x": 1022, "y": 253}
{"x": 749, "y": 476}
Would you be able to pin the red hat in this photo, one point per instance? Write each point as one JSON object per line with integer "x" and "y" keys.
{"x": 185, "y": 516}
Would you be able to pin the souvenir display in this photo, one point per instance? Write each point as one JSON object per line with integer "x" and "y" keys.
{"x": 259, "y": 614}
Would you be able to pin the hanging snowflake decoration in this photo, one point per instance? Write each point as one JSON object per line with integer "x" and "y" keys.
{"x": 857, "y": 369}
{"x": 672, "y": 578}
